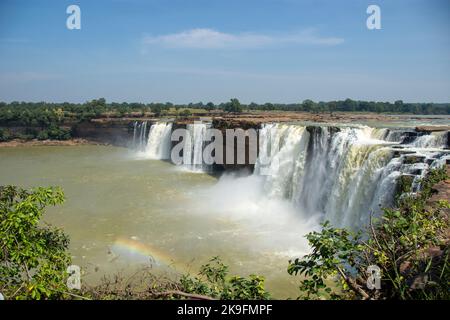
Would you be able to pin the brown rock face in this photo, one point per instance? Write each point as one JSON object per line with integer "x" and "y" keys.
{"x": 111, "y": 133}
{"x": 432, "y": 128}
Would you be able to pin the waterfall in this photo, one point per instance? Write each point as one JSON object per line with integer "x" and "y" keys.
{"x": 134, "y": 132}
{"x": 139, "y": 135}
{"x": 159, "y": 143}
{"x": 193, "y": 148}
{"x": 342, "y": 174}
{"x": 433, "y": 140}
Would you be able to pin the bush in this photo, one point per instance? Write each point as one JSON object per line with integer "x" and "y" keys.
{"x": 185, "y": 113}
{"x": 22, "y": 136}
{"x": 4, "y": 135}
{"x": 33, "y": 258}
{"x": 408, "y": 244}
{"x": 213, "y": 281}
{"x": 43, "y": 135}
{"x": 58, "y": 133}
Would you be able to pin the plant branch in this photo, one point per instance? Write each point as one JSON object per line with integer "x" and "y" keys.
{"x": 352, "y": 284}
{"x": 183, "y": 294}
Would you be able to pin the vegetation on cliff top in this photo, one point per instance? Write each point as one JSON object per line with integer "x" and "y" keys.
{"x": 55, "y": 121}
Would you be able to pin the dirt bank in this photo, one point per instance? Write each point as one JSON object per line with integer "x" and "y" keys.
{"x": 19, "y": 143}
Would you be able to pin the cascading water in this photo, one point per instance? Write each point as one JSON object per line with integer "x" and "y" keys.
{"x": 139, "y": 135}
{"x": 193, "y": 148}
{"x": 159, "y": 143}
{"x": 433, "y": 140}
{"x": 342, "y": 174}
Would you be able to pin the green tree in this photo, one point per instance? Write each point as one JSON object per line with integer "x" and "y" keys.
{"x": 33, "y": 257}
{"x": 350, "y": 105}
{"x": 398, "y": 104}
{"x": 233, "y": 106}
{"x": 308, "y": 105}
{"x": 156, "y": 109}
{"x": 269, "y": 106}
{"x": 185, "y": 113}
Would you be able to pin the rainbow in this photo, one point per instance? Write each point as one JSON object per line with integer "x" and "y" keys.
{"x": 133, "y": 246}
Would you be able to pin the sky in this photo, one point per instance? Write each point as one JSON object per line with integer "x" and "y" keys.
{"x": 280, "y": 51}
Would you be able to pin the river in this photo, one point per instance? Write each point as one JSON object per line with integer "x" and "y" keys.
{"x": 123, "y": 212}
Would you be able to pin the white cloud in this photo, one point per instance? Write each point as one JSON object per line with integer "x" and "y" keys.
{"x": 213, "y": 39}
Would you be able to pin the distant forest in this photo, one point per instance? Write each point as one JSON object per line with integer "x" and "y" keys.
{"x": 43, "y": 113}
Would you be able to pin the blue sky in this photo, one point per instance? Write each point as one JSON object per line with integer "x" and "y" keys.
{"x": 210, "y": 50}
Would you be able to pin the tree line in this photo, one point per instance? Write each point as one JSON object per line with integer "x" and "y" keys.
{"x": 44, "y": 113}
{"x": 44, "y": 120}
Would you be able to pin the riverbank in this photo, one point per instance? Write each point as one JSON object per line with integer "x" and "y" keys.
{"x": 29, "y": 143}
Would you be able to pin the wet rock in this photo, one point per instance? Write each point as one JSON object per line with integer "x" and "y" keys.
{"x": 398, "y": 153}
{"x": 411, "y": 159}
{"x": 409, "y": 136}
{"x": 416, "y": 172}
{"x": 430, "y": 129}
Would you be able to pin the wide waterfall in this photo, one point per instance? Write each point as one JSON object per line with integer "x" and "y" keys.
{"x": 343, "y": 174}
{"x": 339, "y": 173}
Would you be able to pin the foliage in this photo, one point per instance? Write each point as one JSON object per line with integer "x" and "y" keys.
{"x": 185, "y": 113}
{"x": 33, "y": 258}
{"x": 4, "y": 135}
{"x": 233, "y": 106}
{"x": 157, "y": 110}
{"x": 333, "y": 252}
{"x": 213, "y": 281}
{"x": 408, "y": 244}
